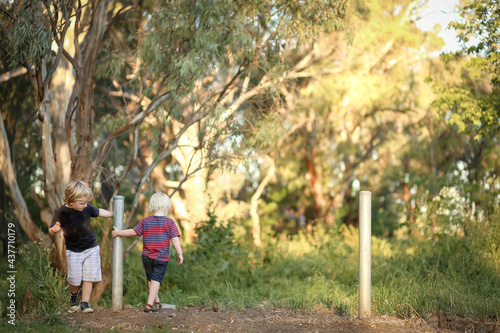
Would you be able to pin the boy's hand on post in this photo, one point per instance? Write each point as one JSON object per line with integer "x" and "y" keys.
{"x": 114, "y": 233}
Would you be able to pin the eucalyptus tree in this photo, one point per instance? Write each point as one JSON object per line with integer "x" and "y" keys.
{"x": 469, "y": 100}
{"x": 213, "y": 62}
{"x": 171, "y": 80}
{"x": 28, "y": 29}
{"x": 449, "y": 157}
{"x": 345, "y": 114}
{"x": 475, "y": 109}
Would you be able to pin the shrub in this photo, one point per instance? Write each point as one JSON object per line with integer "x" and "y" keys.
{"x": 40, "y": 292}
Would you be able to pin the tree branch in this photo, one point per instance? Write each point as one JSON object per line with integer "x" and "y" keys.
{"x": 12, "y": 74}
{"x": 153, "y": 165}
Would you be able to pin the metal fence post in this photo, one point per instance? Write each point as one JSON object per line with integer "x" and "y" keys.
{"x": 117, "y": 279}
{"x": 365, "y": 261}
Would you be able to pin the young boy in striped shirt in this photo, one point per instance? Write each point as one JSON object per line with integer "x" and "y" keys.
{"x": 157, "y": 231}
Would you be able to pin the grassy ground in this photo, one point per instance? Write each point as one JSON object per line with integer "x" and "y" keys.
{"x": 458, "y": 276}
{"x": 409, "y": 277}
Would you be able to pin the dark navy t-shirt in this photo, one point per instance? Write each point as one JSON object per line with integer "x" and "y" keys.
{"x": 76, "y": 227}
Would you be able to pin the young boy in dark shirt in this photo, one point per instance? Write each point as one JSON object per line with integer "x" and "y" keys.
{"x": 82, "y": 250}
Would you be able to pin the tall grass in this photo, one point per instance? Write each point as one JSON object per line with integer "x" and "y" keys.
{"x": 417, "y": 276}
{"x": 40, "y": 293}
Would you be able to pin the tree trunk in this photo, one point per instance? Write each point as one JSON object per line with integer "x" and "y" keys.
{"x": 53, "y": 200}
{"x": 254, "y": 202}
{"x": 84, "y": 91}
{"x": 61, "y": 88}
{"x": 193, "y": 203}
{"x": 10, "y": 180}
{"x": 316, "y": 183}
{"x": 410, "y": 210}
{"x": 100, "y": 287}
{"x": 181, "y": 216}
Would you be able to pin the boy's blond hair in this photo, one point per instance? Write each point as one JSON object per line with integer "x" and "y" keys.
{"x": 77, "y": 191}
{"x": 160, "y": 202}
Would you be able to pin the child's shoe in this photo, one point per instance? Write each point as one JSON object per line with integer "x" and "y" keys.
{"x": 150, "y": 308}
{"x": 74, "y": 303}
{"x": 86, "y": 308}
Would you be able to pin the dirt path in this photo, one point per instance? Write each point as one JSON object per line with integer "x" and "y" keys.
{"x": 195, "y": 319}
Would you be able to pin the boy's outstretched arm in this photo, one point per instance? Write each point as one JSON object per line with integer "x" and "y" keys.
{"x": 177, "y": 245}
{"x": 122, "y": 233}
{"x": 105, "y": 213}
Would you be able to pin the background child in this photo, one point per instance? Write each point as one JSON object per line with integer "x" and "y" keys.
{"x": 82, "y": 250}
{"x": 157, "y": 231}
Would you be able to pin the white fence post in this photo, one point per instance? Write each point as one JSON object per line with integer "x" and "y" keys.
{"x": 117, "y": 278}
{"x": 365, "y": 261}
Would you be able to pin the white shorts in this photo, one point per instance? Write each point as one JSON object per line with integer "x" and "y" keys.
{"x": 84, "y": 266}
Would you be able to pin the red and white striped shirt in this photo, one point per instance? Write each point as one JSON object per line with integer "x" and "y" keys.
{"x": 157, "y": 232}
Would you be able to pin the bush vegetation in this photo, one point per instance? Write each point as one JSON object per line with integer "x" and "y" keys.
{"x": 416, "y": 276}
{"x": 458, "y": 275}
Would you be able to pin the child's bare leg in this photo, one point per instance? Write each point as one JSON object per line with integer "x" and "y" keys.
{"x": 154, "y": 286}
{"x": 73, "y": 289}
{"x": 157, "y": 300}
{"x": 86, "y": 290}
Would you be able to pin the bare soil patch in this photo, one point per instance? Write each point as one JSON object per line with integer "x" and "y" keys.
{"x": 197, "y": 319}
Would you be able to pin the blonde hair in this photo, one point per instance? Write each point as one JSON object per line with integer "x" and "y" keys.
{"x": 77, "y": 191}
{"x": 160, "y": 202}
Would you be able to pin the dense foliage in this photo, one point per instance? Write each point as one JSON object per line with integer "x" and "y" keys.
{"x": 455, "y": 276}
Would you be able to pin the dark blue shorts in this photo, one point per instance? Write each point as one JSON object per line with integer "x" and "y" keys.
{"x": 155, "y": 269}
